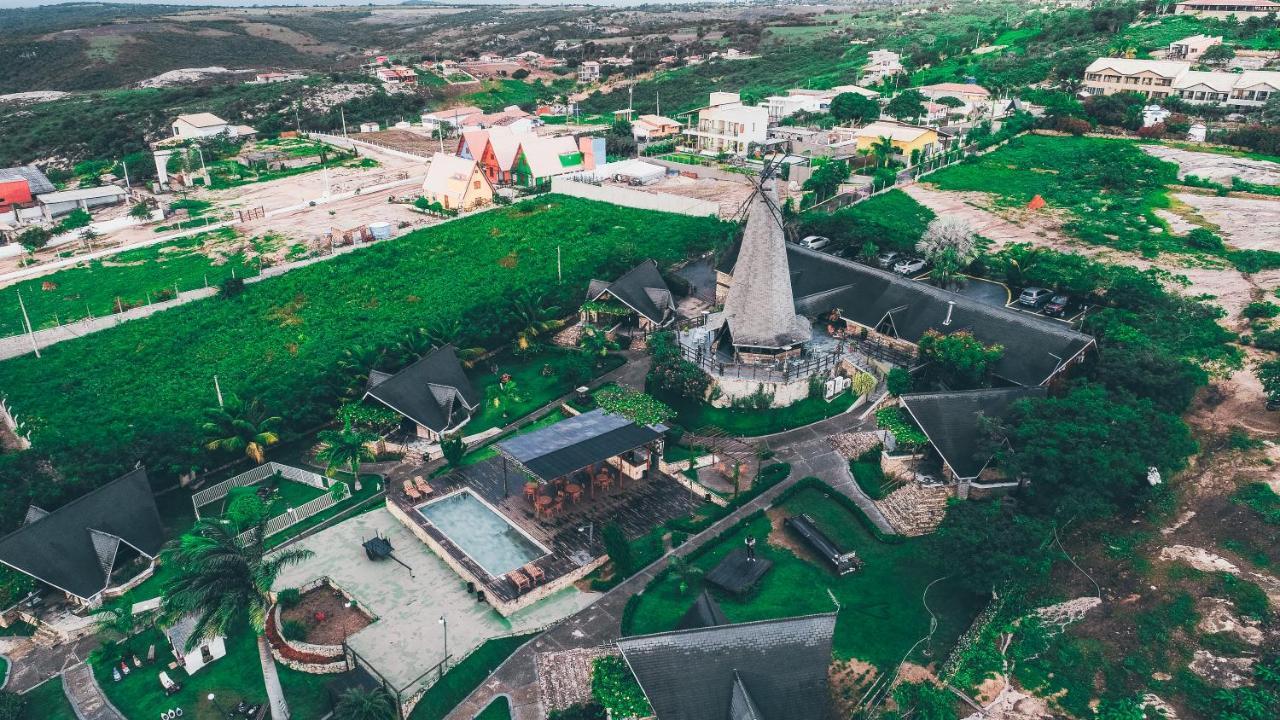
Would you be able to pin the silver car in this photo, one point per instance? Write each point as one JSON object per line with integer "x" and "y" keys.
{"x": 814, "y": 242}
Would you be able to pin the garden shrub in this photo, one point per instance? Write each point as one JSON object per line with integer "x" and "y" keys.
{"x": 294, "y": 630}
{"x": 289, "y": 598}
{"x": 870, "y": 477}
{"x": 1261, "y": 309}
{"x": 616, "y": 689}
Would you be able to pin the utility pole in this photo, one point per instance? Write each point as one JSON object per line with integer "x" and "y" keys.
{"x": 127, "y": 186}
{"x": 559, "y": 274}
{"x": 27, "y": 321}
{"x": 657, "y": 102}
{"x": 342, "y": 112}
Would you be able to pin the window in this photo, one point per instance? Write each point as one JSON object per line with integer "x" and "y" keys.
{"x": 477, "y": 185}
{"x": 206, "y": 655}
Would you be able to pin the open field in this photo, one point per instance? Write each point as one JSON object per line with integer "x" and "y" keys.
{"x": 141, "y": 386}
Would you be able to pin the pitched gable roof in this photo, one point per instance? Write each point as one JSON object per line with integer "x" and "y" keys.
{"x": 73, "y": 548}
{"x": 548, "y": 156}
{"x": 772, "y": 669}
{"x": 705, "y": 612}
{"x": 473, "y": 143}
{"x": 1035, "y": 348}
{"x": 642, "y": 289}
{"x": 450, "y": 175}
{"x": 201, "y": 120}
{"x": 575, "y": 443}
{"x": 37, "y": 183}
{"x": 433, "y": 391}
{"x": 506, "y": 145}
{"x": 950, "y": 420}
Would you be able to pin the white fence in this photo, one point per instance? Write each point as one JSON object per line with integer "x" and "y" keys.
{"x": 293, "y": 516}
{"x": 253, "y": 477}
{"x": 626, "y": 197}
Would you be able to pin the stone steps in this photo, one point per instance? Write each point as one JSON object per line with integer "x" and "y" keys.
{"x": 915, "y": 509}
{"x": 85, "y": 695}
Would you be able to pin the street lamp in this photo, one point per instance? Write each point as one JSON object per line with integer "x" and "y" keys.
{"x": 445, "y": 663}
{"x": 214, "y": 699}
{"x": 590, "y": 529}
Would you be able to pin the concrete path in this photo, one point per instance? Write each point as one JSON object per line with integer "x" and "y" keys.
{"x": 31, "y": 663}
{"x": 596, "y": 625}
{"x": 85, "y": 695}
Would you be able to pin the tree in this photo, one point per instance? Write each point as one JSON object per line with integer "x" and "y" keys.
{"x": 951, "y": 245}
{"x": 34, "y": 238}
{"x": 958, "y": 361}
{"x": 989, "y": 548}
{"x": 868, "y": 252}
{"x": 1167, "y": 381}
{"x": 1270, "y": 112}
{"x": 826, "y": 178}
{"x": 906, "y": 105}
{"x": 453, "y": 449}
{"x": 508, "y": 394}
{"x": 614, "y": 687}
{"x": 240, "y": 428}
{"x": 116, "y": 620}
{"x": 950, "y": 101}
{"x": 617, "y": 548}
{"x": 365, "y": 704}
{"x": 853, "y": 107}
{"x": 898, "y": 381}
{"x": 346, "y": 448}
{"x": 1269, "y": 375}
{"x": 230, "y": 287}
{"x": 1087, "y": 455}
{"x": 620, "y": 141}
{"x": 671, "y": 372}
{"x": 884, "y": 151}
{"x": 224, "y": 584}
{"x": 140, "y": 211}
{"x": 1218, "y": 54}
{"x": 594, "y": 342}
{"x": 353, "y": 369}
{"x": 640, "y": 408}
{"x": 863, "y": 383}
{"x": 532, "y": 315}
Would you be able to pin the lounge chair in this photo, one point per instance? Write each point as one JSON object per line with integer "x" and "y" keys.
{"x": 520, "y": 580}
{"x": 535, "y": 573}
{"x": 422, "y": 486}
{"x": 411, "y": 491}
{"x": 170, "y": 687}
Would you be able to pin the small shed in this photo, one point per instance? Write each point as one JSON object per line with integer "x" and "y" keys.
{"x": 203, "y": 652}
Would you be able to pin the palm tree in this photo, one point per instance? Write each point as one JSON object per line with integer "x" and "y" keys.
{"x": 347, "y": 447}
{"x": 224, "y": 583}
{"x": 354, "y": 366}
{"x": 595, "y": 342}
{"x": 420, "y": 341}
{"x": 532, "y": 317}
{"x": 240, "y": 427}
{"x": 883, "y": 149}
{"x": 116, "y": 620}
{"x": 365, "y": 704}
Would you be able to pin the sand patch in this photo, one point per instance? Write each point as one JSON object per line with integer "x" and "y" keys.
{"x": 1229, "y": 673}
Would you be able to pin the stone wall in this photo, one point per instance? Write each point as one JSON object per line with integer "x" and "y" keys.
{"x": 784, "y": 394}
{"x": 301, "y": 656}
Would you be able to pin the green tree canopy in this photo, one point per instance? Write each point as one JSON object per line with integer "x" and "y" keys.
{"x": 987, "y": 546}
{"x": 853, "y": 107}
{"x": 907, "y": 105}
{"x": 634, "y": 405}
{"x": 958, "y": 361}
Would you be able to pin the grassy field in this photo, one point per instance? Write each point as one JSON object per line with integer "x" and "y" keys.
{"x": 92, "y": 289}
{"x": 465, "y": 677}
{"x": 47, "y": 702}
{"x": 537, "y": 386}
{"x": 753, "y": 423}
{"x": 135, "y": 392}
{"x": 891, "y": 221}
{"x": 233, "y": 678}
{"x": 499, "y": 709}
{"x": 881, "y": 615}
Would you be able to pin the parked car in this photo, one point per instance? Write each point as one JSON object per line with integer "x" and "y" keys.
{"x": 1058, "y": 305}
{"x": 909, "y": 266}
{"x": 814, "y": 242}
{"x": 1035, "y": 297}
{"x": 887, "y": 258}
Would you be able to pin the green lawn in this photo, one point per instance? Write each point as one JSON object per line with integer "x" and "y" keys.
{"x": 47, "y": 701}
{"x": 881, "y": 614}
{"x": 97, "y": 405}
{"x": 232, "y": 678}
{"x": 133, "y": 277}
{"x": 539, "y": 381}
{"x": 465, "y": 677}
{"x": 891, "y": 221}
{"x": 751, "y": 423}
{"x": 499, "y": 709}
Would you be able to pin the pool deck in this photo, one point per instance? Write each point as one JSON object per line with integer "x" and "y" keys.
{"x": 407, "y": 639}
{"x": 573, "y": 537}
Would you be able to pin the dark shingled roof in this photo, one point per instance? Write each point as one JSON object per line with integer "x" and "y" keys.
{"x": 1033, "y": 347}
{"x": 772, "y": 670}
{"x": 73, "y": 548}
{"x": 433, "y": 391}
{"x": 36, "y": 180}
{"x": 642, "y": 289}
{"x": 950, "y": 419}
{"x": 575, "y": 443}
{"x": 705, "y": 612}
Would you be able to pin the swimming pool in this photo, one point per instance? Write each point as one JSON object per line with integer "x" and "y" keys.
{"x": 482, "y": 533}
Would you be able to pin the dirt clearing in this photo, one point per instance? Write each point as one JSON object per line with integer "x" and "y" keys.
{"x": 1246, "y": 223}
{"x": 1217, "y": 167}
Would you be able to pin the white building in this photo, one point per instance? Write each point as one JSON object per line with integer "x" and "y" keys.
{"x": 1168, "y": 78}
{"x": 726, "y": 125}
{"x": 1191, "y": 48}
{"x": 1154, "y": 115}
{"x": 880, "y": 65}
{"x": 804, "y": 100}
{"x": 203, "y": 125}
{"x": 589, "y": 71}
{"x": 206, "y": 651}
{"x": 451, "y": 118}
{"x": 57, "y": 204}
{"x": 1241, "y": 9}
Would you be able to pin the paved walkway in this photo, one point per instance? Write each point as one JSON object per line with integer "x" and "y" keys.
{"x": 31, "y": 663}
{"x": 85, "y": 695}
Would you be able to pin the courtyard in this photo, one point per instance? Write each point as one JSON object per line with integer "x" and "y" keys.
{"x": 406, "y": 639}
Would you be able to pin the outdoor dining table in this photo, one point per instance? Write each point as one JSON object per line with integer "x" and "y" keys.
{"x": 574, "y": 490}
{"x": 542, "y": 504}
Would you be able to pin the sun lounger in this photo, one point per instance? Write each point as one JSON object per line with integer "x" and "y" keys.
{"x": 534, "y": 572}
{"x": 170, "y": 687}
{"x": 411, "y": 491}
{"x": 520, "y": 580}
{"x": 422, "y": 486}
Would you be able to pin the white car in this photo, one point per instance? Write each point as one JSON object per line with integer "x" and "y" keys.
{"x": 814, "y": 242}
{"x": 909, "y": 266}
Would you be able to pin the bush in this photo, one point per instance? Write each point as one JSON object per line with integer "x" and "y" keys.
{"x": 230, "y": 287}
{"x": 618, "y": 549}
{"x": 870, "y": 477}
{"x": 898, "y": 381}
{"x": 1261, "y": 309}
{"x": 614, "y": 687}
{"x": 294, "y": 630}
{"x": 1204, "y": 239}
{"x": 289, "y": 598}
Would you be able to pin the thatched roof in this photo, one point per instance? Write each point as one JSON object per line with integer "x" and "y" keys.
{"x": 759, "y": 310}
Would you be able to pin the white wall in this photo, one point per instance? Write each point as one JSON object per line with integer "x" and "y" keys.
{"x": 627, "y": 197}
{"x": 194, "y": 660}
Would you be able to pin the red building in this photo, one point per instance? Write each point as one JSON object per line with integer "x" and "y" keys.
{"x": 14, "y": 191}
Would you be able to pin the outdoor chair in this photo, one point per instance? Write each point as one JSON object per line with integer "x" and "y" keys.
{"x": 170, "y": 687}
{"x": 530, "y": 492}
{"x": 422, "y": 485}
{"x": 535, "y": 573}
{"x": 411, "y": 491}
{"x": 520, "y": 580}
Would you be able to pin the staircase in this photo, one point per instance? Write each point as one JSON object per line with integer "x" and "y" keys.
{"x": 568, "y": 337}
{"x": 915, "y": 509}
{"x": 85, "y": 696}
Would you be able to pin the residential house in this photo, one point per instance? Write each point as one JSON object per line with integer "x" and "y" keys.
{"x": 881, "y": 64}
{"x": 726, "y": 125}
{"x": 511, "y": 117}
{"x": 94, "y": 547}
{"x": 640, "y": 298}
{"x": 1171, "y": 78}
{"x": 450, "y": 118}
{"x": 456, "y": 183}
{"x": 275, "y": 77}
{"x": 764, "y": 669}
{"x": 1191, "y": 48}
{"x": 495, "y": 149}
{"x": 970, "y": 93}
{"x": 205, "y": 650}
{"x": 19, "y": 186}
{"x": 655, "y": 127}
{"x": 588, "y": 71}
{"x": 432, "y": 394}
{"x": 397, "y": 76}
{"x": 369, "y": 127}
{"x": 196, "y": 126}
{"x": 952, "y": 422}
{"x": 541, "y": 158}
{"x": 908, "y": 140}
{"x": 1241, "y": 9}
{"x": 1154, "y": 115}
{"x": 57, "y": 204}
{"x": 805, "y": 100}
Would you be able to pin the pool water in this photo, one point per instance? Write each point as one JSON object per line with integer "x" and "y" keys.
{"x": 483, "y": 534}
